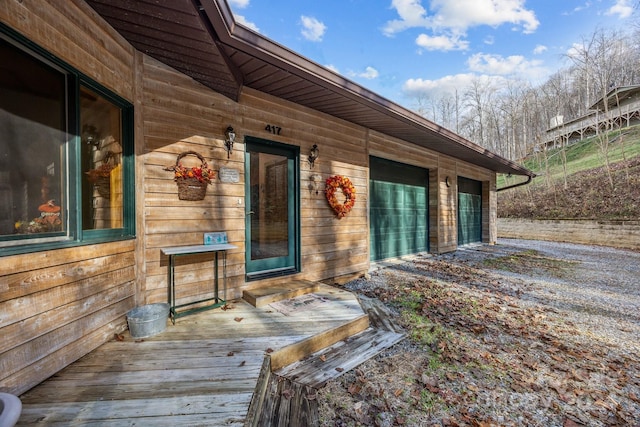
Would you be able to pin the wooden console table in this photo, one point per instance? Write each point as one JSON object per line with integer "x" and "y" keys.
{"x": 175, "y": 251}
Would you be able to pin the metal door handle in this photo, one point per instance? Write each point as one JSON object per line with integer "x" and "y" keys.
{"x": 250, "y": 213}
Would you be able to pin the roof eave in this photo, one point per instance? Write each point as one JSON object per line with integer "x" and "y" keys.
{"x": 244, "y": 39}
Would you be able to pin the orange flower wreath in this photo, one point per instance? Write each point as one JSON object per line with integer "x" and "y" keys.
{"x": 348, "y": 190}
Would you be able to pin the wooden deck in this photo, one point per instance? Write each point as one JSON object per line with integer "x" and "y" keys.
{"x": 201, "y": 371}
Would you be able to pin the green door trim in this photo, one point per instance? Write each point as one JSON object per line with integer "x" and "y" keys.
{"x": 278, "y": 265}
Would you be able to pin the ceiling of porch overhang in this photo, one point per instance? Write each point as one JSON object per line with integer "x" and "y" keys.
{"x": 201, "y": 39}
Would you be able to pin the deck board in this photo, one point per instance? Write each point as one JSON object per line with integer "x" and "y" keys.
{"x": 329, "y": 363}
{"x": 201, "y": 371}
{"x": 214, "y": 407}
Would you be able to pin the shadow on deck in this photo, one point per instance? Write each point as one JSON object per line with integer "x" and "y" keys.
{"x": 242, "y": 366}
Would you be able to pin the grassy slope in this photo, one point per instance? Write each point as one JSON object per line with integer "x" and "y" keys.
{"x": 588, "y": 193}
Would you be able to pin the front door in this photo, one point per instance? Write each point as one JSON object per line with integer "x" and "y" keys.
{"x": 271, "y": 208}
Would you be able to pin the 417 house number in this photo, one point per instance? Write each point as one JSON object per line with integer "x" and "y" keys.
{"x": 273, "y": 129}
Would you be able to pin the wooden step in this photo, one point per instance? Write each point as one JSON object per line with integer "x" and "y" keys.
{"x": 298, "y": 351}
{"x": 286, "y": 391}
{"x": 287, "y": 397}
{"x": 380, "y": 316}
{"x": 270, "y": 405}
{"x": 265, "y": 295}
{"x": 330, "y": 362}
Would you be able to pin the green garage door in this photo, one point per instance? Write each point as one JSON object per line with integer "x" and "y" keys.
{"x": 469, "y": 211}
{"x": 399, "y": 209}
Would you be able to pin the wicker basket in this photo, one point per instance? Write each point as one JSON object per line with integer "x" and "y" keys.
{"x": 101, "y": 176}
{"x": 191, "y": 188}
{"x": 103, "y": 185}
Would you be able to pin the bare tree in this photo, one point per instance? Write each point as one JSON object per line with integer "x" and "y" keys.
{"x": 601, "y": 59}
{"x": 509, "y": 117}
{"x": 513, "y": 103}
{"x": 477, "y": 101}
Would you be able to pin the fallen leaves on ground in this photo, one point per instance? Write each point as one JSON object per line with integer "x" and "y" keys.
{"x": 479, "y": 355}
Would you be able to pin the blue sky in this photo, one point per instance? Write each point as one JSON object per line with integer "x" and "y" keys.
{"x": 401, "y": 48}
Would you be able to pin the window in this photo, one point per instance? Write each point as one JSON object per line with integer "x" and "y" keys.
{"x": 66, "y": 168}
{"x": 101, "y": 157}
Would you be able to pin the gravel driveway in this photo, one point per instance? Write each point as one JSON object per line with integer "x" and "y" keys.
{"x": 521, "y": 333}
{"x": 602, "y": 294}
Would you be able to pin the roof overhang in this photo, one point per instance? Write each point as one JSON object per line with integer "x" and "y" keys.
{"x": 616, "y": 96}
{"x": 201, "y": 39}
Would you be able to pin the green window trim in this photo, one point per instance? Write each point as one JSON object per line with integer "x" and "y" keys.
{"x": 75, "y": 231}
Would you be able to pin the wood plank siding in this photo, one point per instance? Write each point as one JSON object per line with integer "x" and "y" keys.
{"x": 330, "y": 248}
{"x": 57, "y": 306}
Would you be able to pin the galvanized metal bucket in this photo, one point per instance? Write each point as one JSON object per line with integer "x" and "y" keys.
{"x": 148, "y": 320}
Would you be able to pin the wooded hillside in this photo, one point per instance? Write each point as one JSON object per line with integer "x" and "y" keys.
{"x": 510, "y": 116}
{"x": 582, "y": 187}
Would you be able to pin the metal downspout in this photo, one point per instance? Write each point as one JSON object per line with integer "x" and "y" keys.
{"x": 530, "y": 177}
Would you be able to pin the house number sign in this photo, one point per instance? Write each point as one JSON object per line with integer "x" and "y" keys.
{"x": 273, "y": 129}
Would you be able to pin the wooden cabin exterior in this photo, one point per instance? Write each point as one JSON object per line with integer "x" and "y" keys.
{"x": 166, "y": 78}
{"x": 618, "y": 109}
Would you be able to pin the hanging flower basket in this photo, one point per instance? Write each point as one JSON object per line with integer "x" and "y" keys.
{"x": 100, "y": 177}
{"x": 192, "y": 181}
{"x": 333, "y": 183}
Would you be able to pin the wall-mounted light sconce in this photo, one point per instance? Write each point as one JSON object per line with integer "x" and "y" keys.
{"x": 229, "y": 138}
{"x": 313, "y": 155}
{"x": 90, "y": 135}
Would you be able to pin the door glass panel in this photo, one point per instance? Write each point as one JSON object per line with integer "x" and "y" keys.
{"x": 271, "y": 195}
{"x": 269, "y": 203}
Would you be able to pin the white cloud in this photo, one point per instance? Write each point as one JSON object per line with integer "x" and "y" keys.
{"x": 412, "y": 14}
{"x": 240, "y": 4}
{"x": 587, "y": 5}
{"x": 444, "y": 43}
{"x": 539, "y": 49}
{"x": 369, "y": 73}
{"x": 312, "y": 29}
{"x": 489, "y": 70}
{"x": 333, "y": 68}
{"x": 437, "y": 88}
{"x": 463, "y": 14}
{"x": 240, "y": 19}
{"x": 622, "y": 8}
{"x": 459, "y": 15}
{"x": 452, "y": 87}
{"x": 450, "y": 20}
{"x": 515, "y": 66}
{"x": 575, "y": 50}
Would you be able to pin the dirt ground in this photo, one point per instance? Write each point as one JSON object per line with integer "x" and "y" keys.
{"x": 586, "y": 195}
{"x": 522, "y": 333}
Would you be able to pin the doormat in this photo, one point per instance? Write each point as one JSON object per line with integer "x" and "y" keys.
{"x": 299, "y": 304}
